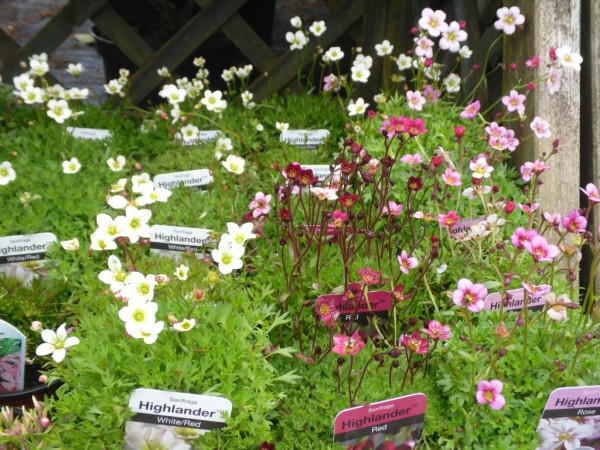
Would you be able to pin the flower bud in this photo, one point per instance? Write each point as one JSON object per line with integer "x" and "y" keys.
{"x": 36, "y": 325}
{"x": 43, "y": 379}
{"x": 502, "y": 353}
{"x": 341, "y": 360}
{"x": 510, "y": 206}
{"x": 395, "y": 352}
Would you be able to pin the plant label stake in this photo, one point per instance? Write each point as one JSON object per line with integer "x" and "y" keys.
{"x": 199, "y": 178}
{"x": 173, "y": 241}
{"x": 89, "y": 133}
{"x": 309, "y": 139}
{"x": 398, "y": 421}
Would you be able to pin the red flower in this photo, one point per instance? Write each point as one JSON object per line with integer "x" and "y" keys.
{"x": 292, "y": 171}
{"x": 417, "y": 127}
{"x": 307, "y": 177}
{"x": 348, "y": 167}
{"x": 415, "y": 342}
{"x": 415, "y": 184}
{"x": 348, "y": 200}
{"x": 286, "y": 215}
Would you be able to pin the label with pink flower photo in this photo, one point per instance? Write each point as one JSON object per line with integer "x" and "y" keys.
{"x": 12, "y": 358}
{"x": 358, "y": 308}
{"x": 398, "y": 422}
{"x": 172, "y": 419}
{"x": 172, "y": 241}
{"x": 514, "y": 300}
{"x": 310, "y": 139}
{"x": 571, "y": 419}
{"x": 199, "y": 178}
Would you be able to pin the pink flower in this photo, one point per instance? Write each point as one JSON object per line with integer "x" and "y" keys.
{"x": 529, "y": 209}
{"x": 521, "y": 235}
{"x": 415, "y": 100}
{"x": 535, "y": 290}
{"x": 592, "y": 193}
{"x": 433, "y": 21}
{"x": 327, "y": 310}
{"x": 393, "y": 208}
{"x": 490, "y": 392}
{"x": 495, "y": 130}
{"x": 575, "y": 222}
{"x": 411, "y": 160}
{"x": 527, "y": 171}
{"x": 471, "y": 110}
{"x": 554, "y": 219}
{"x": 437, "y": 331}
{"x": 344, "y": 345}
{"x": 534, "y": 62}
{"x": 451, "y": 177}
{"x": 395, "y": 126}
{"x": 339, "y": 218}
{"x": 515, "y": 102}
{"x": 540, "y": 127}
{"x": 406, "y": 263}
{"x": 424, "y": 47}
{"x": 554, "y": 81}
{"x": 540, "y": 249}
{"x": 431, "y": 94}
{"x": 260, "y": 205}
{"x": 324, "y": 193}
{"x": 508, "y": 19}
{"x": 369, "y": 276}
{"x": 449, "y": 219}
{"x": 470, "y": 295}
{"x": 415, "y": 342}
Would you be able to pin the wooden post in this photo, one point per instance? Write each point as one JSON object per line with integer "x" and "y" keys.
{"x": 550, "y": 23}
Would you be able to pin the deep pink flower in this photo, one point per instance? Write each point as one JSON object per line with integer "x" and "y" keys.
{"x": 260, "y": 205}
{"x": 415, "y": 342}
{"x": 471, "y": 110}
{"x": 417, "y": 127}
{"x": 406, "y": 263}
{"x": 354, "y": 291}
{"x": 448, "y": 220}
{"x": 437, "y": 331}
{"x": 327, "y": 310}
{"x": 339, "y": 218}
{"x": 540, "y": 249}
{"x": 470, "y": 295}
{"x": 490, "y": 392}
{"x": 369, "y": 276}
{"x": 393, "y": 208}
{"x": 395, "y": 126}
{"x": 592, "y": 193}
{"x": 534, "y": 62}
{"x": 344, "y": 345}
{"x": 452, "y": 177}
{"x": 575, "y": 222}
{"x": 521, "y": 235}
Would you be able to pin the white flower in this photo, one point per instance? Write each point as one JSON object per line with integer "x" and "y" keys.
{"x": 432, "y": 21}
{"x": 182, "y": 272}
{"x": 173, "y": 94}
{"x": 118, "y": 164}
{"x": 296, "y": 22}
{"x": 556, "y": 308}
{"x": 238, "y": 235}
{"x": 362, "y": 60}
{"x": 234, "y": 164}
{"x": 554, "y": 81}
{"x": 508, "y": 19}
{"x": 32, "y": 95}
{"x": 147, "y": 436}
{"x": 139, "y": 287}
{"x": 360, "y": 74}
{"x": 70, "y": 245}
{"x": 568, "y": 58}
{"x": 404, "y": 62}
{"x": 385, "y": 48}
{"x": 119, "y": 185}
{"x": 141, "y": 183}
{"x": 113, "y": 87}
{"x": 116, "y": 276}
{"x": 164, "y": 72}
{"x": 38, "y": 67}
{"x": 71, "y": 166}
{"x": 452, "y": 83}
{"x": 213, "y": 101}
{"x": 465, "y": 52}
{"x": 224, "y": 144}
{"x": 228, "y": 74}
{"x": 149, "y": 333}
{"x": 357, "y": 108}
{"x": 228, "y": 257}
{"x": 318, "y": 28}
{"x": 7, "y": 173}
{"x": 106, "y": 225}
{"x": 282, "y": 126}
{"x": 452, "y": 36}
{"x": 247, "y": 97}
{"x": 189, "y": 133}
{"x": 59, "y": 110}
{"x": 136, "y": 223}
{"x": 56, "y": 343}
{"x": 117, "y": 201}
{"x": 79, "y": 94}
{"x": 138, "y": 312}
{"x": 75, "y": 69}
{"x": 443, "y": 267}
{"x": 324, "y": 193}
{"x": 297, "y": 40}
{"x": 102, "y": 241}
{"x": 244, "y": 72}
{"x": 185, "y": 325}
{"x": 156, "y": 195}
{"x": 334, "y": 54}
{"x": 22, "y": 82}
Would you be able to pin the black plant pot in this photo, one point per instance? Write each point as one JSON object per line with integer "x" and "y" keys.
{"x": 33, "y": 388}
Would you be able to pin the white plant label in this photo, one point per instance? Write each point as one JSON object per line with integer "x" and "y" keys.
{"x": 199, "y": 178}
{"x": 89, "y": 133}
{"x": 304, "y": 138}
